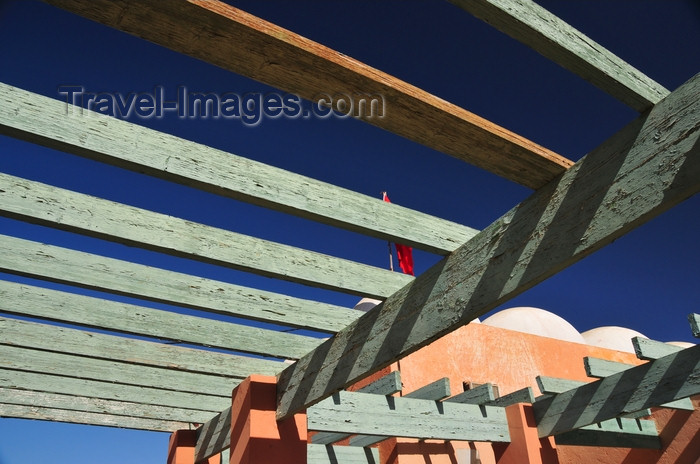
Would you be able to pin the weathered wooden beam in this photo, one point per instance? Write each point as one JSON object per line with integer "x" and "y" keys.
{"x": 115, "y": 348}
{"x": 618, "y": 433}
{"x": 657, "y": 382}
{"x": 232, "y": 39}
{"x": 551, "y": 386}
{"x": 694, "y": 320}
{"x": 124, "y": 278}
{"x": 213, "y": 436}
{"x": 97, "y": 405}
{"x": 66, "y": 365}
{"x": 481, "y": 394}
{"x": 651, "y": 349}
{"x": 552, "y": 37}
{"x": 127, "y": 318}
{"x": 524, "y": 395}
{"x": 643, "y": 170}
{"x": 62, "y": 209}
{"x": 320, "y": 454}
{"x": 89, "y": 418}
{"x": 351, "y": 412}
{"x": 109, "y": 391}
{"x": 44, "y": 120}
{"x": 435, "y": 391}
{"x": 386, "y": 385}
{"x": 601, "y": 368}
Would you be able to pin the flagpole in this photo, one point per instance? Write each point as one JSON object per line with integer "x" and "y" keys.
{"x": 391, "y": 256}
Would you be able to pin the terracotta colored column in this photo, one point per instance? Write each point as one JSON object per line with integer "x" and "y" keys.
{"x": 181, "y": 448}
{"x": 525, "y": 445}
{"x": 256, "y": 437}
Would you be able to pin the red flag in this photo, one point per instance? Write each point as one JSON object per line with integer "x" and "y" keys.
{"x": 403, "y": 252}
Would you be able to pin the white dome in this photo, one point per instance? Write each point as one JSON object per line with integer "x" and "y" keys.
{"x": 681, "y": 344}
{"x": 366, "y": 304}
{"x": 535, "y": 321}
{"x": 612, "y": 337}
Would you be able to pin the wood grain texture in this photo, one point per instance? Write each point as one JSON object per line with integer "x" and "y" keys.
{"x": 601, "y": 368}
{"x": 109, "y": 391}
{"x": 650, "y": 349}
{"x": 524, "y": 395}
{"x": 127, "y": 318}
{"x": 232, "y": 39}
{"x": 110, "y": 275}
{"x": 122, "y": 349}
{"x": 551, "y": 386}
{"x": 481, "y": 394}
{"x": 213, "y": 436}
{"x": 89, "y": 418}
{"x": 663, "y": 380}
{"x": 552, "y": 37}
{"x": 435, "y": 391}
{"x": 617, "y": 433}
{"x": 67, "y": 365}
{"x": 352, "y": 412}
{"x": 643, "y": 170}
{"x": 386, "y": 385}
{"x": 46, "y": 121}
{"x": 62, "y": 209}
{"x": 320, "y": 454}
{"x": 96, "y": 405}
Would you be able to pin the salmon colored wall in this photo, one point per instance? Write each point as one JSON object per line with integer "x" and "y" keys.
{"x": 511, "y": 360}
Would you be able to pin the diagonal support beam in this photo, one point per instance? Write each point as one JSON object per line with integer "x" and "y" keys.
{"x": 645, "y": 169}
{"x": 666, "y": 379}
{"x": 552, "y": 37}
{"x": 601, "y": 368}
{"x": 232, "y": 39}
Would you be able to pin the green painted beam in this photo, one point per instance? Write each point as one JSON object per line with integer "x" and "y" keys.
{"x": 320, "y": 454}
{"x": 694, "y": 320}
{"x": 44, "y": 120}
{"x": 617, "y": 433}
{"x": 645, "y": 169}
{"x": 657, "y": 382}
{"x": 435, "y": 391}
{"x": 363, "y": 413}
{"x": 551, "y": 386}
{"x": 67, "y": 365}
{"x": 213, "y": 436}
{"x": 552, "y": 37}
{"x": 600, "y": 368}
{"x": 76, "y": 309}
{"x": 97, "y": 405}
{"x": 109, "y": 391}
{"x": 89, "y": 418}
{"x": 650, "y": 349}
{"x": 524, "y": 395}
{"x": 482, "y": 394}
{"x": 62, "y": 265}
{"x": 50, "y": 206}
{"x": 116, "y": 348}
{"x": 386, "y": 385}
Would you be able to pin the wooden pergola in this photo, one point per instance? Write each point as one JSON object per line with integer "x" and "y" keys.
{"x": 647, "y": 167}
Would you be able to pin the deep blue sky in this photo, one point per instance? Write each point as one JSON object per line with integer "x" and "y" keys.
{"x": 647, "y": 280}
